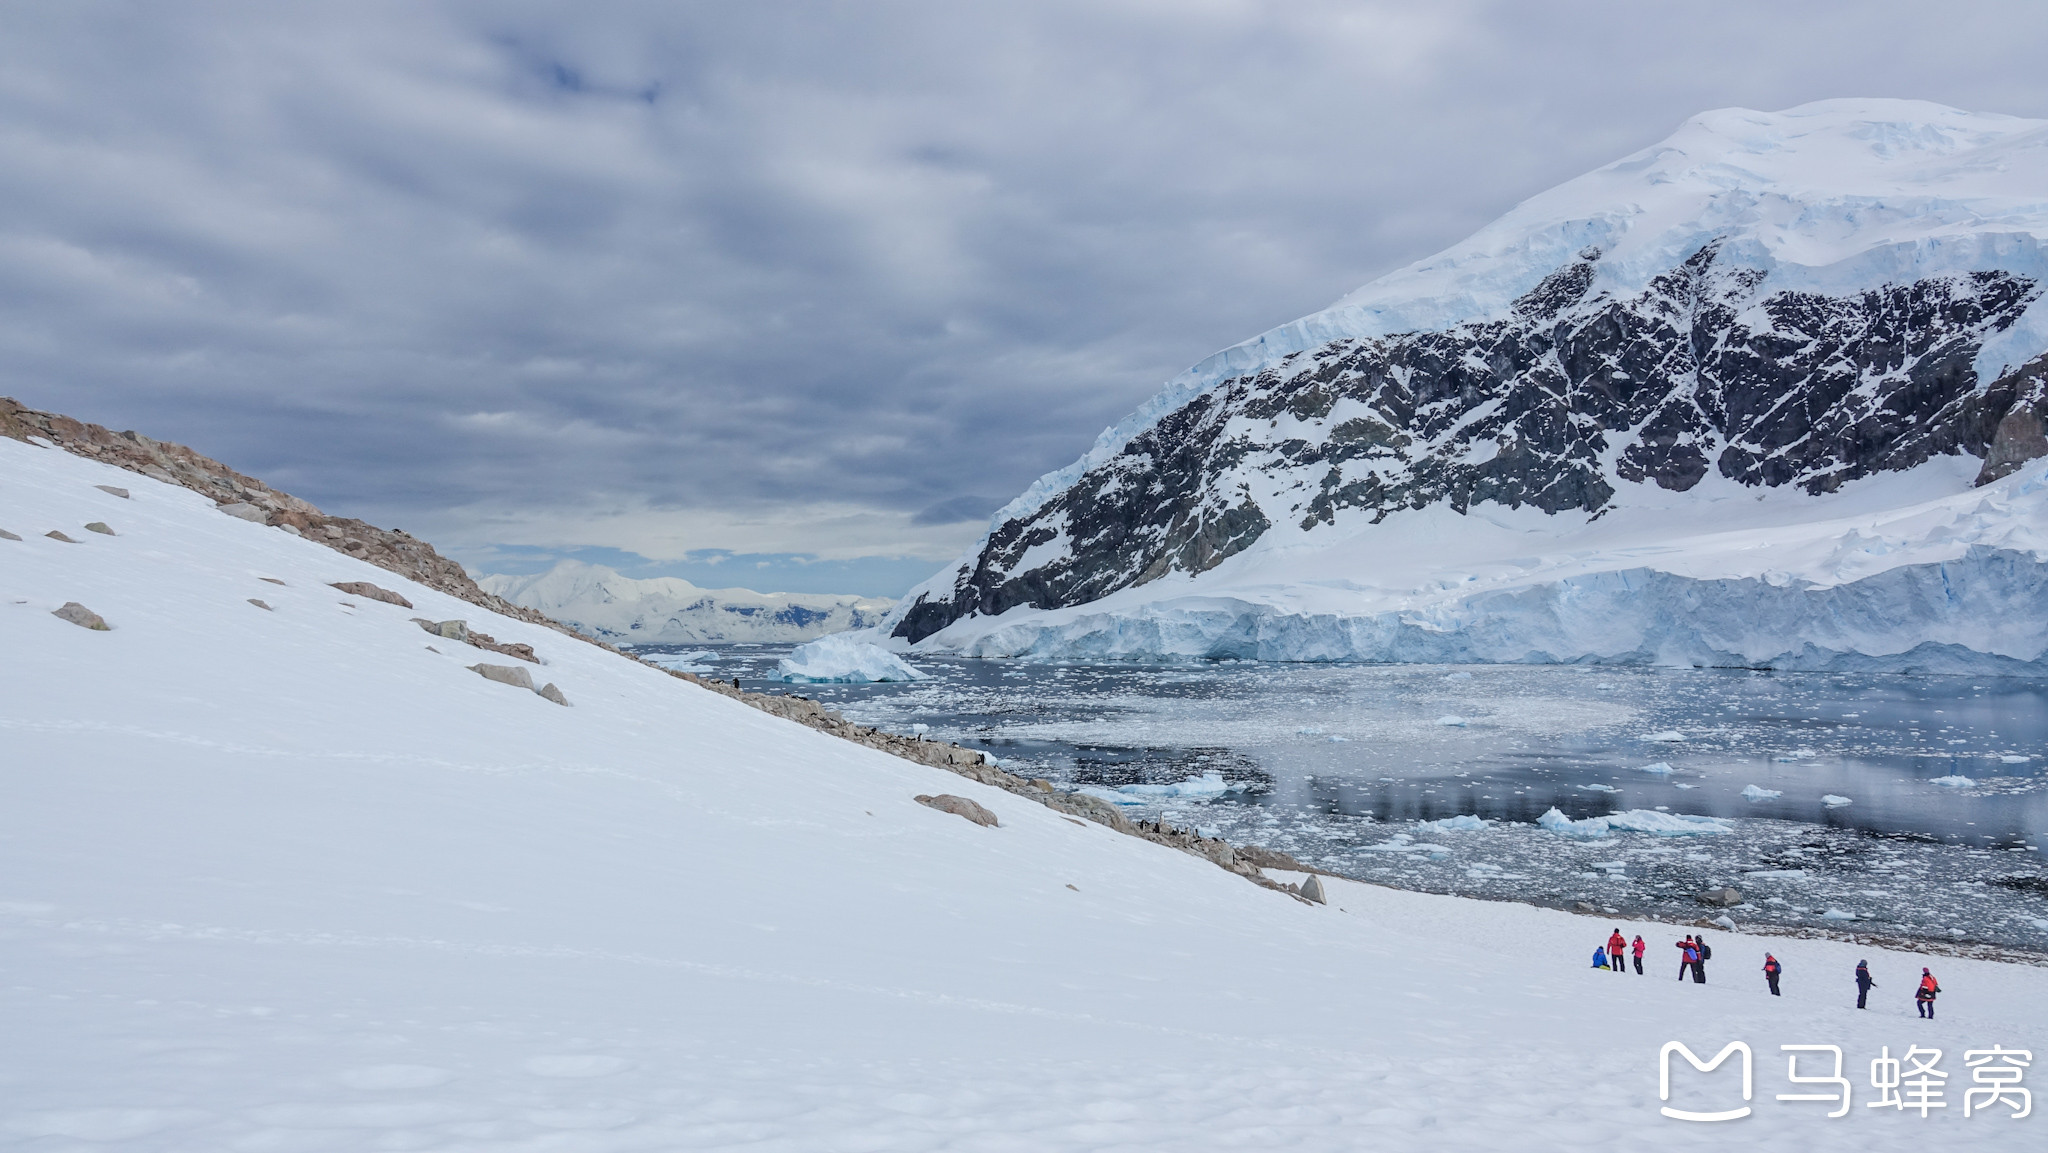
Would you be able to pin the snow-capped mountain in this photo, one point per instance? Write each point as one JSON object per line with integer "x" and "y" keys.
{"x": 598, "y": 602}
{"x": 1764, "y": 393}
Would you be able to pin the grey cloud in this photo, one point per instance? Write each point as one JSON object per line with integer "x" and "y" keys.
{"x": 471, "y": 267}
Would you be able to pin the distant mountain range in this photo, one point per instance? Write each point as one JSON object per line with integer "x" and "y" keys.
{"x": 599, "y": 602}
{"x": 1772, "y": 392}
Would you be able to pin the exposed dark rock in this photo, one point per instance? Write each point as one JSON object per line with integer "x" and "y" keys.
{"x": 53, "y": 534}
{"x": 260, "y": 605}
{"x": 1721, "y": 898}
{"x": 959, "y": 807}
{"x": 5, "y": 535}
{"x": 369, "y": 591}
{"x": 81, "y": 616}
{"x": 1557, "y": 406}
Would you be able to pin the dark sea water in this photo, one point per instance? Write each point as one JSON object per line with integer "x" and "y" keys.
{"x": 1935, "y": 811}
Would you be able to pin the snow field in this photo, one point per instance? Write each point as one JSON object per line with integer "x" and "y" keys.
{"x": 289, "y": 879}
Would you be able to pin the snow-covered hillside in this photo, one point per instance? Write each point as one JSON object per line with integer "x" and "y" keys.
{"x": 1822, "y": 326}
{"x": 668, "y": 610}
{"x": 290, "y": 876}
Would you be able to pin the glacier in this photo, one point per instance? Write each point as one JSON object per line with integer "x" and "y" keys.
{"x": 1772, "y": 393}
{"x": 598, "y": 602}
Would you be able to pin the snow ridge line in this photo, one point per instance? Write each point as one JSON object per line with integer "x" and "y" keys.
{"x": 416, "y": 560}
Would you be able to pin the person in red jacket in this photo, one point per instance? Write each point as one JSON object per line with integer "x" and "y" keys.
{"x": 1615, "y": 945}
{"x": 1771, "y": 972}
{"x": 1924, "y": 997}
{"x": 1636, "y": 947}
{"x": 1688, "y": 955}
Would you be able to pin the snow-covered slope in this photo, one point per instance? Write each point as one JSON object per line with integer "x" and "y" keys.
{"x": 1793, "y": 322}
{"x": 599, "y": 602}
{"x": 287, "y": 877}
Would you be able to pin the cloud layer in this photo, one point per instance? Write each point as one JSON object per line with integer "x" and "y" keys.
{"x": 690, "y": 280}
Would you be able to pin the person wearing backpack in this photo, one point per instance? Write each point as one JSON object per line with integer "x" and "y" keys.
{"x": 1688, "y": 955}
{"x": 1701, "y": 956}
{"x": 1863, "y": 983}
{"x": 1616, "y": 944}
{"x": 1772, "y": 970}
{"x": 1924, "y": 996}
{"x": 1637, "y": 948}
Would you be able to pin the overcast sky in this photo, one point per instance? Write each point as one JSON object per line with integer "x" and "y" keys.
{"x": 792, "y": 295}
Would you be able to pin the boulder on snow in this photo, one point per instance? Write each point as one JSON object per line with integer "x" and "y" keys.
{"x": 959, "y": 807}
{"x": 53, "y": 534}
{"x": 5, "y": 535}
{"x": 243, "y": 510}
{"x": 504, "y": 675}
{"x": 1312, "y": 890}
{"x": 100, "y": 527}
{"x": 554, "y": 694}
{"x": 366, "y": 589}
{"x": 113, "y": 490}
{"x": 446, "y": 630}
{"x": 81, "y": 616}
{"x": 1721, "y": 898}
{"x": 261, "y": 605}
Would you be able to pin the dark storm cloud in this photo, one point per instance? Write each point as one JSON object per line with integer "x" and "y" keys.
{"x": 770, "y": 278}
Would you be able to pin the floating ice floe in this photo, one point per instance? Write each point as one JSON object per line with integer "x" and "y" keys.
{"x": 1404, "y": 843}
{"x": 1599, "y": 789}
{"x": 1796, "y": 755}
{"x": 1838, "y": 915}
{"x": 1462, "y": 823}
{"x": 1336, "y": 740}
{"x": 1458, "y": 677}
{"x": 1685, "y": 786}
{"x": 1755, "y": 793}
{"x": 1833, "y": 801}
{"x": 2015, "y": 759}
{"x": 837, "y": 659}
{"x": 1634, "y": 821}
{"x": 1209, "y": 784}
{"x": 1776, "y": 875}
{"x": 1953, "y": 782}
{"x": 1308, "y": 731}
{"x": 1668, "y": 736}
{"x": 1452, "y": 719}
{"x": 1659, "y": 768}
{"x": 696, "y": 662}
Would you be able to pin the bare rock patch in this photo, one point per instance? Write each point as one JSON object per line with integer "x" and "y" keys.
{"x": 366, "y": 589}
{"x": 81, "y": 616}
{"x": 959, "y": 807}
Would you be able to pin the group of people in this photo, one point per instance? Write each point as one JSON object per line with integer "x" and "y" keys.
{"x": 1694, "y": 953}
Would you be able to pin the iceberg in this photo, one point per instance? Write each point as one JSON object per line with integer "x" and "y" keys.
{"x": 695, "y": 662}
{"x": 1209, "y": 784}
{"x": 1452, "y": 720}
{"x": 1833, "y": 801}
{"x": 1660, "y": 768}
{"x": 1756, "y": 793}
{"x": 1953, "y": 782}
{"x": 1634, "y": 821}
{"x": 1462, "y": 823}
{"x": 838, "y": 659}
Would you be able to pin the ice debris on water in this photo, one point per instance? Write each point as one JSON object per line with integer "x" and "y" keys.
{"x": 693, "y": 662}
{"x": 1634, "y": 821}
{"x": 1796, "y": 755}
{"x": 842, "y": 660}
{"x": 1838, "y": 915}
{"x": 1308, "y": 731}
{"x": 1668, "y": 736}
{"x": 1831, "y": 800}
{"x": 1755, "y": 793}
{"x": 1453, "y": 720}
{"x": 1599, "y": 789}
{"x": 1660, "y": 768}
{"x": 1953, "y": 782}
{"x": 1336, "y": 740}
{"x": 2015, "y": 759}
{"x": 1458, "y": 677}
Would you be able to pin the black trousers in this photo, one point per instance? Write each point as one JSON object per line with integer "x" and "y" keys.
{"x": 1639, "y": 964}
{"x": 1773, "y": 979}
{"x": 1699, "y": 972}
{"x": 1926, "y": 1009}
{"x": 1862, "y": 993}
{"x": 1617, "y": 962}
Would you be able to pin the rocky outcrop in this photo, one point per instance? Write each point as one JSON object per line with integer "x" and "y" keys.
{"x": 388, "y": 549}
{"x": 368, "y": 591}
{"x": 505, "y": 675}
{"x": 959, "y": 807}
{"x": 100, "y": 527}
{"x": 1563, "y": 405}
{"x": 81, "y": 616}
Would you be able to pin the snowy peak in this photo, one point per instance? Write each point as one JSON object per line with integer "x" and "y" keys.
{"x": 599, "y": 602}
{"x": 1797, "y": 301}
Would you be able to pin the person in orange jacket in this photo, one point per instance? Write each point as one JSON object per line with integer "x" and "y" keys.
{"x": 1772, "y": 970}
{"x": 1924, "y": 996}
{"x": 1636, "y": 947}
{"x": 1688, "y": 956}
{"x": 1616, "y": 944}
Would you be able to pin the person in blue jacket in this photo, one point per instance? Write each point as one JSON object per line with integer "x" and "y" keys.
{"x": 1600, "y": 957}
